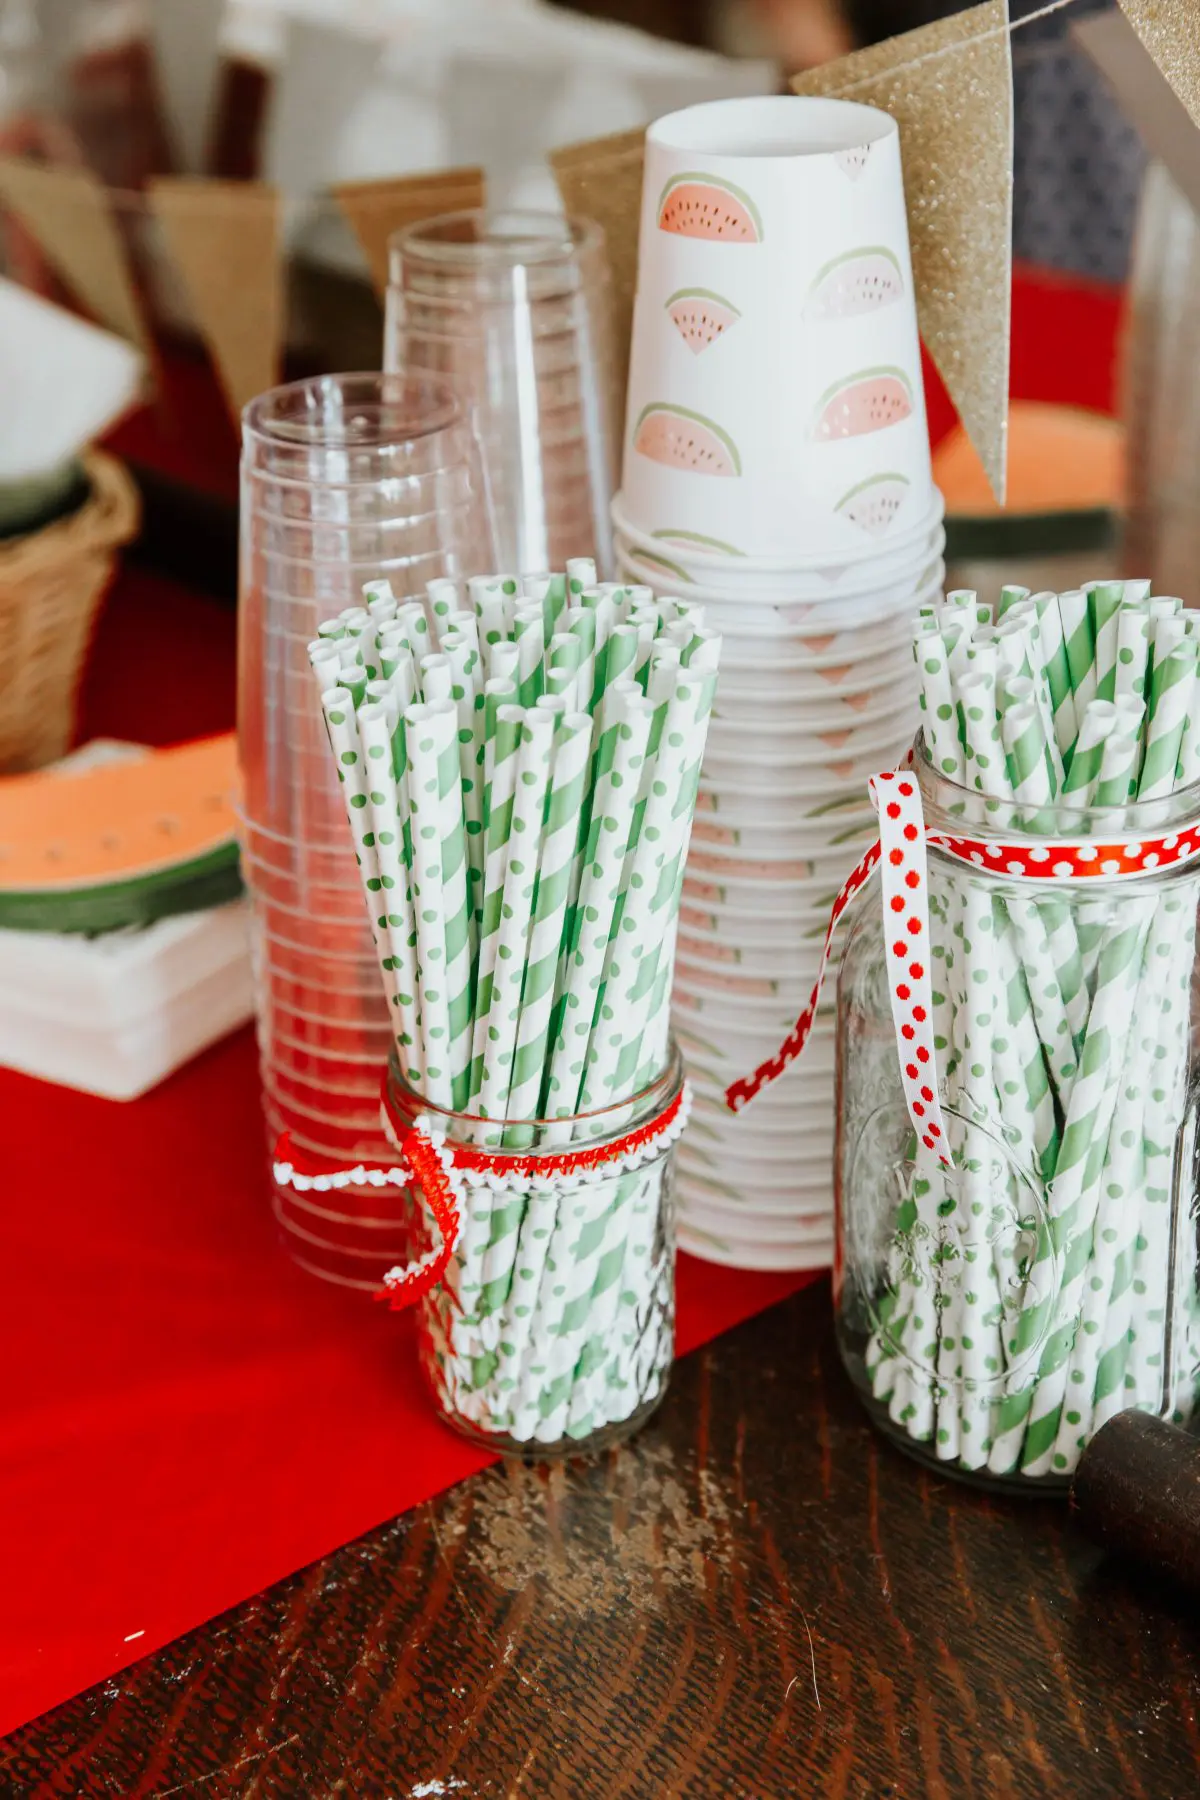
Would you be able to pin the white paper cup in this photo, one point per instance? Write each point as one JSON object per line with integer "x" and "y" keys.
{"x": 731, "y": 1253}
{"x": 693, "y": 558}
{"x": 775, "y": 394}
{"x": 765, "y": 1218}
{"x": 789, "y": 593}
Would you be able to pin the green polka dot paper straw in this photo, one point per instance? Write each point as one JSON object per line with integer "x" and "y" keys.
{"x": 580, "y": 575}
{"x": 1133, "y": 649}
{"x": 337, "y": 704}
{"x": 326, "y": 664}
{"x": 939, "y": 709}
{"x": 653, "y": 884}
{"x": 443, "y": 599}
{"x": 394, "y": 898}
{"x": 1166, "y": 1106}
{"x": 431, "y": 735}
{"x": 437, "y": 678}
{"x": 466, "y": 666}
{"x": 1098, "y": 1353}
{"x": 986, "y": 769}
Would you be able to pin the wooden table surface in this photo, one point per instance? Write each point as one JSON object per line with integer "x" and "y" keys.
{"x": 757, "y": 1598}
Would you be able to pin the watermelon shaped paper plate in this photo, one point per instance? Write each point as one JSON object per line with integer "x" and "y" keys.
{"x": 119, "y": 843}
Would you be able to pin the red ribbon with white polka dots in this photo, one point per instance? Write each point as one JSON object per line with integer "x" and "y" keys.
{"x": 900, "y": 856}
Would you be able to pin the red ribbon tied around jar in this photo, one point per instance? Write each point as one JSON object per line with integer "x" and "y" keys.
{"x": 443, "y": 1171}
{"x": 900, "y": 856}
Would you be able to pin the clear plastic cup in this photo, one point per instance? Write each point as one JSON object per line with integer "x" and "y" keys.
{"x": 513, "y": 309}
{"x": 345, "y": 479}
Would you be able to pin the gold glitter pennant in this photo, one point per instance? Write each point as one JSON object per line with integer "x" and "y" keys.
{"x": 1170, "y": 31}
{"x": 602, "y": 180}
{"x": 949, "y": 87}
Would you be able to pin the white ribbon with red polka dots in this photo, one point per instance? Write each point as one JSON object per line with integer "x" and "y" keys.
{"x": 900, "y": 856}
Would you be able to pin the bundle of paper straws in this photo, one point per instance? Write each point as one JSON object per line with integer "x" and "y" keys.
{"x": 1062, "y": 1027}
{"x": 520, "y": 774}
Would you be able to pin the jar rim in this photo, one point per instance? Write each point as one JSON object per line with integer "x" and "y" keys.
{"x": 615, "y": 1119}
{"x": 949, "y": 805}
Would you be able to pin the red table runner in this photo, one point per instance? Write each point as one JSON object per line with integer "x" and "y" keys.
{"x": 186, "y": 1417}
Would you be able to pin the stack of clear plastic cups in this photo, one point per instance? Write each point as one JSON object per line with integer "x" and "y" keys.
{"x": 514, "y": 309}
{"x": 345, "y": 479}
{"x": 777, "y": 481}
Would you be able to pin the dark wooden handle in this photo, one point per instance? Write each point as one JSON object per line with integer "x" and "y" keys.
{"x": 1137, "y": 1492}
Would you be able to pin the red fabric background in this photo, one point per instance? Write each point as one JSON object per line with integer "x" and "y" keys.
{"x": 186, "y": 1417}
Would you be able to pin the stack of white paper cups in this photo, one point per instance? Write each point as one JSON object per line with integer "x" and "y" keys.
{"x": 776, "y": 473}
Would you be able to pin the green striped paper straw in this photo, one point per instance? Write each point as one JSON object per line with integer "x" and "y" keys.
{"x": 1172, "y": 684}
{"x": 501, "y": 760}
{"x": 1104, "y": 606}
{"x": 496, "y": 1030}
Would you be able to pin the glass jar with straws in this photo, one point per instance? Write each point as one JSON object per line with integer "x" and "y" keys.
{"x": 520, "y": 775}
{"x": 1016, "y": 1160}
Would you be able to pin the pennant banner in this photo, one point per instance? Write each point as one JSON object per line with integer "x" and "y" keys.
{"x": 224, "y": 237}
{"x": 949, "y": 88}
{"x": 375, "y": 209}
{"x": 67, "y": 212}
{"x": 602, "y": 180}
{"x": 1170, "y": 31}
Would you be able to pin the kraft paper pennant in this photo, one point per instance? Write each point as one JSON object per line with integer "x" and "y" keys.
{"x": 224, "y": 237}
{"x": 377, "y": 208}
{"x": 1170, "y": 31}
{"x": 602, "y": 180}
{"x": 67, "y": 212}
{"x": 949, "y": 87}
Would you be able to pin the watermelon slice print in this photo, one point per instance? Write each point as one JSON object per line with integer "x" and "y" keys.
{"x": 861, "y": 281}
{"x": 685, "y": 440}
{"x": 695, "y": 540}
{"x": 700, "y": 317}
{"x": 874, "y": 503}
{"x": 869, "y": 401}
{"x": 853, "y": 162}
{"x": 702, "y": 206}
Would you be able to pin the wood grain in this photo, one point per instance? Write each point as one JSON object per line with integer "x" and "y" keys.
{"x": 756, "y": 1599}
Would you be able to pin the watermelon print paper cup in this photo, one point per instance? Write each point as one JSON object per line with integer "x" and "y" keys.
{"x": 775, "y": 408}
{"x": 705, "y": 562}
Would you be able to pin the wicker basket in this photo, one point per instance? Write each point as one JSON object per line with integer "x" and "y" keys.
{"x": 51, "y": 586}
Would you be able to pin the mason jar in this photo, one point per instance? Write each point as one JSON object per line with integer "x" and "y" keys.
{"x": 993, "y": 1311}
{"x": 553, "y": 1330}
